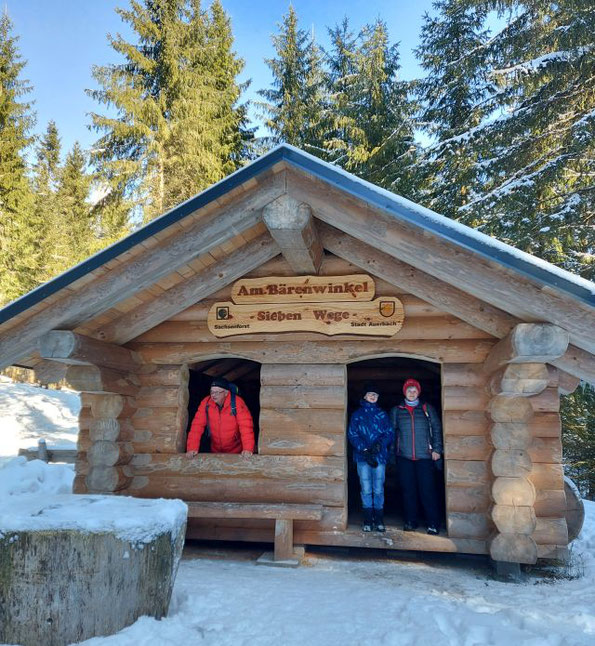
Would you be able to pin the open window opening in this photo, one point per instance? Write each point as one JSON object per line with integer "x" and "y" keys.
{"x": 245, "y": 374}
{"x": 390, "y": 374}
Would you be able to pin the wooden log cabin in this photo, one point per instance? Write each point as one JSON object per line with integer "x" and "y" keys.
{"x": 494, "y": 335}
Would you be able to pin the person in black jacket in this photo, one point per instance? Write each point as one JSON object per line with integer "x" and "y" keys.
{"x": 370, "y": 434}
{"x": 418, "y": 447}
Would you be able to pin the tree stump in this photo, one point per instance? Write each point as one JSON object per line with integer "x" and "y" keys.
{"x": 74, "y": 567}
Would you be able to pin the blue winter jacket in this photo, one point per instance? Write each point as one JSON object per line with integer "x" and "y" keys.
{"x": 370, "y": 424}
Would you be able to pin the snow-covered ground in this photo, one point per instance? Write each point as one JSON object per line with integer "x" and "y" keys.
{"x": 222, "y": 598}
{"x": 28, "y": 413}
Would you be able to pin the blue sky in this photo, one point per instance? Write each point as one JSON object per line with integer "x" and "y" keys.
{"x": 62, "y": 39}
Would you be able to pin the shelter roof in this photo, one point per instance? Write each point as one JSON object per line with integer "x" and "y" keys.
{"x": 226, "y": 218}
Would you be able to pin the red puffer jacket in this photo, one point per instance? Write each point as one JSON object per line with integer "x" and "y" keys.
{"x": 229, "y": 434}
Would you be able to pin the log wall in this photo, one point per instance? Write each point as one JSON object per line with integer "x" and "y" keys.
{"x": 302, "y": 445}
{"x": 527, "y": 488}
{"x": 303, "y": 412}
{"x": 466, "y": 451}
{"x": 303, "y": 401}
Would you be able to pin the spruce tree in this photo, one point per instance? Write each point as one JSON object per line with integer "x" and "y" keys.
{"x": 72, "y": 223}
{"x": 47, "y": 164}
{"x": 578, "y": 438}
{"x": 295, "y": 105}
{"x": 110, "y": 212}
{"x": 177, "y": 123}
{"x": 20, "y": 233}
{"x": 451, "y": 103}
{"x": 373, "y": 114}
{"x": 343, "y": 131}
{"x": 46, "y": 175}
{"x": 537, "y": 150}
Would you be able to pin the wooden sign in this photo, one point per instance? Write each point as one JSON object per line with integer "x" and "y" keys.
{"x": 381, "y": 317}
{"x": 305, "y": 289}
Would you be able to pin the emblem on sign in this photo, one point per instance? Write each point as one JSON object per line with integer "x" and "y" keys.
{"x": 387, "y": 308}
{"x": 222, "y": 313}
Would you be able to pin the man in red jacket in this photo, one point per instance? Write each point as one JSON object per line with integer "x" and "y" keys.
{"x": 230, "y": 433}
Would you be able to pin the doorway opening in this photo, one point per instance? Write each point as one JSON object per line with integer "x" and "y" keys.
{"x": 245, "y": 374}
{"x": 390, "y": 373}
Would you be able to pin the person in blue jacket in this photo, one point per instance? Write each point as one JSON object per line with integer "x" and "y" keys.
{"x": 419, "y": 448}
{"x": 370, "y": 434}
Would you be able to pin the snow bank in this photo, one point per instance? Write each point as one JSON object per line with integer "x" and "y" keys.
{"x": 442, "y": 600}
{"x": 28, "y": 413}
{"x": 36, "y": 496}
{"x": 18, "y": 477}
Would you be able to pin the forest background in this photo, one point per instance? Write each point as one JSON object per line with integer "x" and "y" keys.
{"x": 492, "y": 124}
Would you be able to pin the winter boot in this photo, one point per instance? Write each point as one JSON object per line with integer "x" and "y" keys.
{"x": 379, "y": 520}
{"x": 367, "y": 524}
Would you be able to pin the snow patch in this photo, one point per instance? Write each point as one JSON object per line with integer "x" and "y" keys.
{"x": 28, "y": 413}
{"x": 135, "y": 520}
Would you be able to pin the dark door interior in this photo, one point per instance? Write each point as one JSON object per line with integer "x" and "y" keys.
{"x": 242, "y": 372}
{"x": 390, "y": 374}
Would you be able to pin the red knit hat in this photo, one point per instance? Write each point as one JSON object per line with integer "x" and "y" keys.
{"x": 411, "y": 382}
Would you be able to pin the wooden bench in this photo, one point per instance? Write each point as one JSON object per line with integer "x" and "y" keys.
{"x": 283, "y": 515}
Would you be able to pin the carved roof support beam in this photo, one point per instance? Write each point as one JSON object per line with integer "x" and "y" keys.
{"x": 528, "y": 343}
{"x": 292, "y": 226}
{"x": 75, "y": 349}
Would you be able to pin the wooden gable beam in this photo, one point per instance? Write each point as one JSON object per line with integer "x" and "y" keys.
{"x": 178, "y": 298}
{"x": 127, "y": 279}
{"x": 476, "y": 312}
{"x": 75, "y": 349}
{"x": 486, "y": 280}
{"x": 291, "y": 224}
{"x": 442, "y": 295}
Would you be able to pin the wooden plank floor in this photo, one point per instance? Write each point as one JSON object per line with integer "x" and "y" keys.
{"x": 394, "y": 538}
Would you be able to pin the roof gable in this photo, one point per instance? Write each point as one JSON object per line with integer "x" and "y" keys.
{"x": 500, "y": 280}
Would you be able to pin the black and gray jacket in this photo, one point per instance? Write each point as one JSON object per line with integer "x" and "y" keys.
{"x": 416, "y": 433}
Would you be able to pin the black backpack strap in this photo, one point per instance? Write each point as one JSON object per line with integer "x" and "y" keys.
{"x": 234, "y": 411}
{"x": 207, "y": 432}
{"x": 424, "y": 407}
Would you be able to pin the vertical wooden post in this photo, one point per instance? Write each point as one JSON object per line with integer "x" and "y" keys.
{"x": 283, "y": 539}
{"x": 42, "y": 450}
{"x": 105, "y": 457}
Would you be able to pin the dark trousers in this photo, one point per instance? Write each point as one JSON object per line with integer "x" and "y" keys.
{"x": 417, "y": 480}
